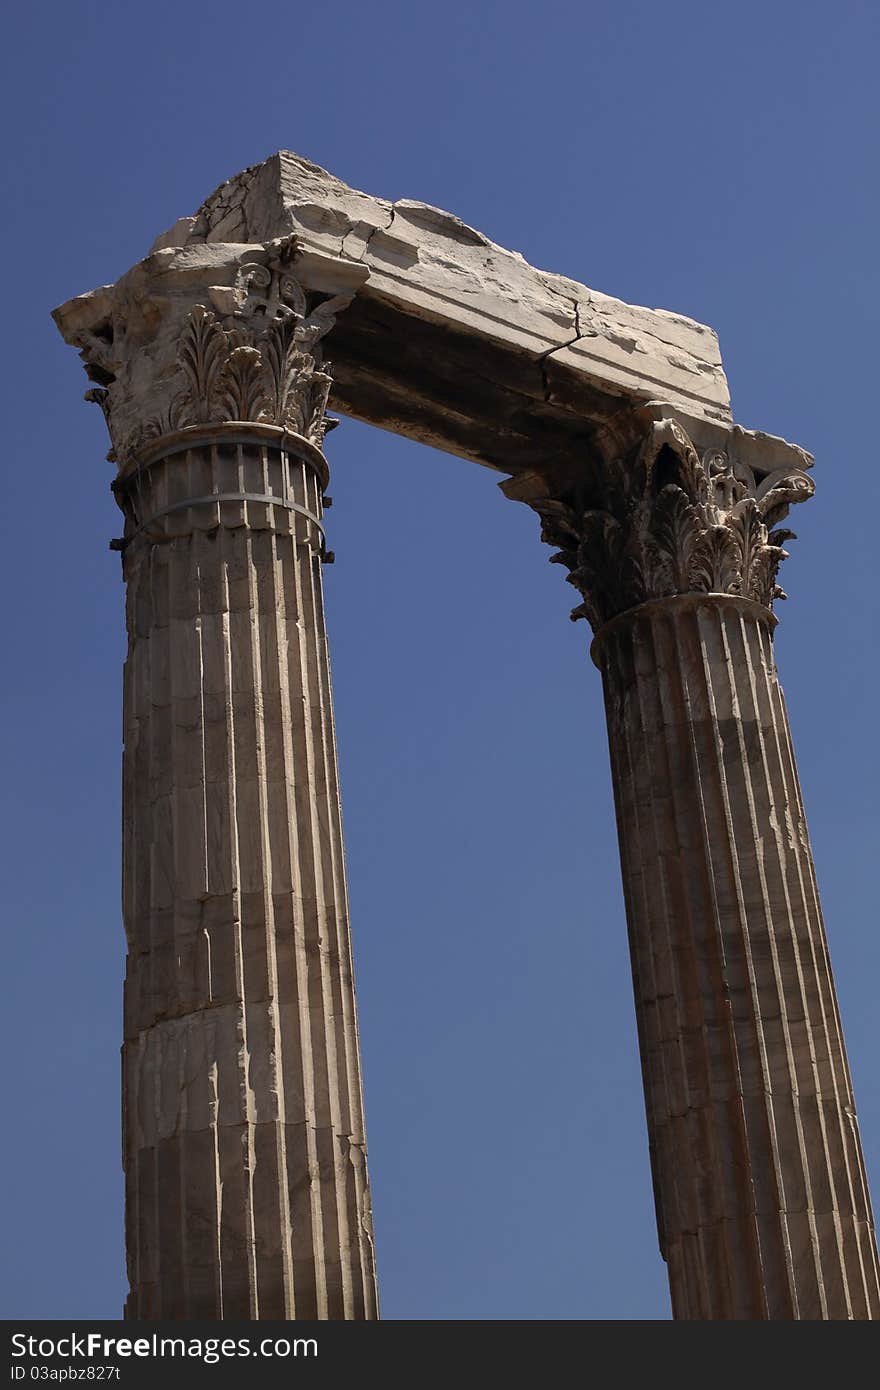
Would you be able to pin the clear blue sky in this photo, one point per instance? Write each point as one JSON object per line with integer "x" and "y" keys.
{"x": 717, "y": 160}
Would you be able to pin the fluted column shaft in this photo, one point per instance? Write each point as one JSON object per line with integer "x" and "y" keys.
{"x": 244, "y": 1153}
{"x": 762, "y": 1201}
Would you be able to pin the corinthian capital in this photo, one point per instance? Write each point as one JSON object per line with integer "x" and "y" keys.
{"x": 649, "y": 519}
{"x": 211, "y": 335}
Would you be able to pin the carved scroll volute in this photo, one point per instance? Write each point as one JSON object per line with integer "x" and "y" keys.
{"x": 663, "y": 520}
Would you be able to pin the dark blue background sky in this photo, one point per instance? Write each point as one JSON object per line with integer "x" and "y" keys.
{"x": 716, "y": 160}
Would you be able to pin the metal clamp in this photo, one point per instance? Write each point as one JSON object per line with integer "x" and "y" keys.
{"x": 212, "y": 497}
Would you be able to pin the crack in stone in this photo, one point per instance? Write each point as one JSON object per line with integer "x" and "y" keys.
{"x": 542, "y": 357}
{"x": 389, "y": 224}
{"x": 228, "y": 199}
{"x": 366, "y": 246}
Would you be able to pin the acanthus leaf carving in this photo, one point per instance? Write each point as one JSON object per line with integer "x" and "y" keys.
{"x": 290, "y": 368}
{"x": 244, "y": 390}
{"x": 666, "y": 520}
{"x": 253, "y": 356}
{"x": 203, "y": 359}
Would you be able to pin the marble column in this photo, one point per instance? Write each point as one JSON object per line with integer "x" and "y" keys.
{"x": 762, "y": 1202}
{"x": 244, "y": 1150}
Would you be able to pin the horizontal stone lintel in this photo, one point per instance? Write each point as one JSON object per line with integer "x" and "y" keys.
{"x": 448, "y": 339}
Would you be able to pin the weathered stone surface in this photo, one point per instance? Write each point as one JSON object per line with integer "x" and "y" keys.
{"x": 448, "y": 338}
{"x": 430, "y": 265}
{"x": 244, "y": 1155}
{"x": 762, "y": 1200}
{"x": 655, "y": 516}
{"x": 160, "y": 343}
{"x": 244, "y": 1148}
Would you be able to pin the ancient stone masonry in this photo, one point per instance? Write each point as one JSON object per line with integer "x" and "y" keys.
{"x": 244, "y": 1148}
{"x": 253, "y": 355}
{"x": 760, "y": 1186}
{"x": 663, "y": 520}
{"x": 244, "y": 1152}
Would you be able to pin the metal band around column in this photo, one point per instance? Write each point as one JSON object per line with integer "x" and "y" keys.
{"x": 211, "y": 497}
{"x": 185, "y": 440}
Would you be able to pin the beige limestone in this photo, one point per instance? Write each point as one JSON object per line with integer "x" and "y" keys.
{"x": 244, "y": 1146}
{"x": 762, "y": 1200}
{"x": 448, "y": 338}
{"x": 246, "y": 1188}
